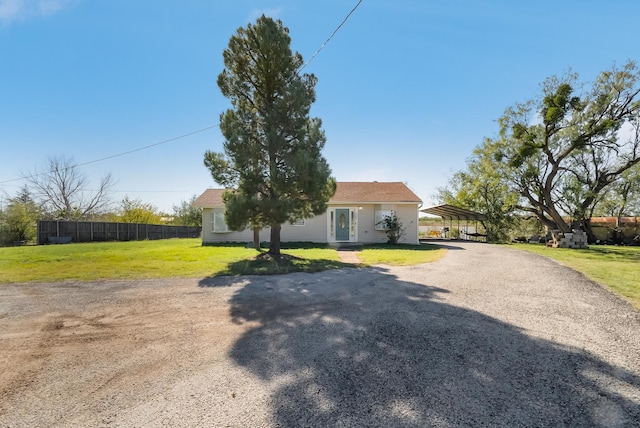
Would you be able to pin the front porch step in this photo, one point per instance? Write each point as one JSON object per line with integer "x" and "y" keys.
{"x": 346, "y": 246}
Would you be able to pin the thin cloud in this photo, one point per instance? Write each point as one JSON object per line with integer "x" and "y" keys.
{"x": 48, "y": 7}
{"x": 22, "y": 10}
{"x": 9, "y": 10}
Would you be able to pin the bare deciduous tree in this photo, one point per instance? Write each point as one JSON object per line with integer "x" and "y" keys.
{"x": 62, "y": 188}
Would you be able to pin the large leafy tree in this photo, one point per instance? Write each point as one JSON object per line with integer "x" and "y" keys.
{"x": 561, "y": 152}
{"x": 136, "y": 211}
{"x": 187, "y": 214}
{"x": 481, "y": 188}
{"x": 20, "y": 218}
{"x": 623, "y": 196}
{"x": 272, "y": 163}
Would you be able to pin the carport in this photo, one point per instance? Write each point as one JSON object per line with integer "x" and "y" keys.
{"x": 451, "y": 213}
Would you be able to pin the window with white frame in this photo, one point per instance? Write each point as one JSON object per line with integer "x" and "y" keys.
{"x": 219, "y": 225}
{"x": 381, "y": 212}
{"x": 332, "y": 224}
{"x": 352, "y": 224}
{"x": 299, "y": 222}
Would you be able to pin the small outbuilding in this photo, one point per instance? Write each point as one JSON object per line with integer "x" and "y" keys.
{"x": 451, "y": 213}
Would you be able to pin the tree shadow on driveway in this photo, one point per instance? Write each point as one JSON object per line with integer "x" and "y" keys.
{"x": 359, "y": 347}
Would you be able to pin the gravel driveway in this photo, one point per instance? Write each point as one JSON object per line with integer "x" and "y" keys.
{"x": 487, "y": 336}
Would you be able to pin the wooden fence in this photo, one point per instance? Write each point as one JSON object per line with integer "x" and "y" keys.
{"x": 59, "y": 231}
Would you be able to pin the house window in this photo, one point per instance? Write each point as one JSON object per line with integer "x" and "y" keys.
{"x": 353, "y": 224}
{"x": 298, "y": 222}
{"x": 219, "y": 225}
{"x": 381, "y": 212}
{"x": 332, "y": 225}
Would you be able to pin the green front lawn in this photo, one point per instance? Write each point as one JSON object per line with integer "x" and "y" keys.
{"x": 400, "y": 255}
{"x": 181, "y": 258}
{"x": 616, "y": 267}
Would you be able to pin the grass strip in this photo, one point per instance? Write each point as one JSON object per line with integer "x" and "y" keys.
{"x": 616, "y": 267}
{"x": 400, "y": 255}
{"x": 186, "y": 258}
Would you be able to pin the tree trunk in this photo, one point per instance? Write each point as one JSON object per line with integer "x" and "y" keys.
{"x": 274, "y": 246}
{"x": 550, "y": 209}
{"x": 549, "y": 224}
{"x": 256, "y": 238}
{"x": 541, "y": 208}
{"x": 586, "y": 226}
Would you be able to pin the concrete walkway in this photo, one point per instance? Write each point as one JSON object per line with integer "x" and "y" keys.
{"x": 349, "y": 256}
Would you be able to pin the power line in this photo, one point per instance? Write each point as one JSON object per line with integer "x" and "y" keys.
{"x": 346, "y": 18}
{"x": 141, "y": 191}
{"x": 330, "y": 37}
{"x": 148, "y": 146}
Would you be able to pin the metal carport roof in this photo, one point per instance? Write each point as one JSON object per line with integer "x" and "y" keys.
{"x": 452, "y": 212}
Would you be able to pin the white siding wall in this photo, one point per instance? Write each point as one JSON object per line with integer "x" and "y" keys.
{"x": 208, "y": 237}
{"x": 408, "y": 215}
{"x": 367, "y": 232}
{"x": 315, "y": 229}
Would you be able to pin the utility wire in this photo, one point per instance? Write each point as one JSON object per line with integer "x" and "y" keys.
{"x": 330, "y": 37}
{"x": 148, "y": 146}
{"x": 199, "y": 130}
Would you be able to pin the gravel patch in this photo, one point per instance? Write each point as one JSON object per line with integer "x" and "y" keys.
{"x": 486, "y": 336}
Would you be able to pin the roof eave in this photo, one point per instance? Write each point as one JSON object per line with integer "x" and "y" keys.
{"x": 373, "y": 202}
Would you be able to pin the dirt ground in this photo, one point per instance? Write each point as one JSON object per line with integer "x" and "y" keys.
{"x": 84, "y": 354}
{"x": 434, "y": 345}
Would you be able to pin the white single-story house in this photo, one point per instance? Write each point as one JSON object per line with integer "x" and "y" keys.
{"x": 353, "y": 215}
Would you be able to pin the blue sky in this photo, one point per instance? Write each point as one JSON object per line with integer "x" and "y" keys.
{"x": 406, "y": 88}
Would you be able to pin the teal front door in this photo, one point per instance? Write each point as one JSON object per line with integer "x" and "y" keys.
{"x": 342, "y": 224}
